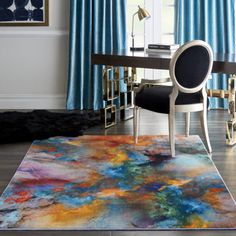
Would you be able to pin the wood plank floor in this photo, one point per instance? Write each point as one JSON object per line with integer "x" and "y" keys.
{"x": 223, "y": 156}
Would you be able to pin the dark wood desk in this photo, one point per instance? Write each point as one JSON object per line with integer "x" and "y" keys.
{"x": 223, "y": 63}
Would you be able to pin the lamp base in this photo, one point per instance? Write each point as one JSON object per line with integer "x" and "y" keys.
{"x": 137, "y": 49}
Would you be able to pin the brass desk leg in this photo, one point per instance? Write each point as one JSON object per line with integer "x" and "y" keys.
{"x": 111, "y": 92}
{"x": 117, "y": 102}
{"x": 230, "y": 95}
{"x": 231, "y": 124}
{"x": 127, "y": 98}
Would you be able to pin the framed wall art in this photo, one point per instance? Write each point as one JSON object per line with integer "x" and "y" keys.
{"x": 24, "y": 12}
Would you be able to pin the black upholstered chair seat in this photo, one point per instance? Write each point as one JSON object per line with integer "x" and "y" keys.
{"x": 157, "y": 98}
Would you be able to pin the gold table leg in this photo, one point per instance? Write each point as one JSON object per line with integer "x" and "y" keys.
{"x": 127, "y": 98}
{"x": 111, "y": 94}
{"x": 230, "y": 95}
{"x": 231, "y": 124}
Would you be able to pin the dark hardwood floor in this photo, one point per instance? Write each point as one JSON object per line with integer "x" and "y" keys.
{"x": 223, "y": 156}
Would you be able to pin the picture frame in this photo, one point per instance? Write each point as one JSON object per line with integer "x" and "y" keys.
{"x": 24, "y": 12}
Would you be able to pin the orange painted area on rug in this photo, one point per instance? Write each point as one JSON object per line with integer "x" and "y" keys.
{"x": 140, "y": 198}
{"x": 64, "y": 214}
{"x": 45, "y": 148}
{"x": 115, "y": 141}
{"x": 153, "y": 177}
{"x": 211, "y": 197}
{"x": 75, "y": 142}
{"x": 178, "y": 183}
{"x": 59, "y": 216}
{"x": 119, "y": 158}
{"x": 197, "y": 222}
{"x": 109, "y": 154}
{"x": 113, "y": 192}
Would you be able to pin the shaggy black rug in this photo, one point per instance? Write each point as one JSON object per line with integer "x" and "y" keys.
{"x": 42, "y": 124}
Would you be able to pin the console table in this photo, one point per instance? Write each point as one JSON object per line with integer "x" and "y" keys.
{"x": 223, "y": 63}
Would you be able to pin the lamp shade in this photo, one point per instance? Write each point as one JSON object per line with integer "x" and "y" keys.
{"x": 143, "y": 13}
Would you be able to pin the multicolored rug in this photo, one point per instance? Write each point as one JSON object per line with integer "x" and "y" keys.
{"x": 108, "y": 183}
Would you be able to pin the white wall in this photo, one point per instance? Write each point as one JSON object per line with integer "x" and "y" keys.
{"x": 34, "y": 61}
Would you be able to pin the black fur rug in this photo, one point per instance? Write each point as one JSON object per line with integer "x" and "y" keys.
{"x": 42, "y": 124}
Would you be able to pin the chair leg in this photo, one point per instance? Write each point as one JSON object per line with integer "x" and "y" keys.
{"x": 136, "y": 123}
{"x": 203, "y": 118}
{"x": 172, "y": 133}
{"x": 187, "y": 123}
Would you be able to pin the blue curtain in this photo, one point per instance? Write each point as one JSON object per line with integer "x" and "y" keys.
{"x": 212, "y": 21}
{"x": 95, "y": 26}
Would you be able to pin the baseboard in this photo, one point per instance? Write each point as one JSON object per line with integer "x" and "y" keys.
{"x": 28, "y": 101}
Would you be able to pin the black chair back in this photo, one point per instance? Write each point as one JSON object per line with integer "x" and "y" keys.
{"x": 191, "y": 66}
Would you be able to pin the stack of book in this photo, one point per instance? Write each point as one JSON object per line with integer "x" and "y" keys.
{"x": 161, "y": 48}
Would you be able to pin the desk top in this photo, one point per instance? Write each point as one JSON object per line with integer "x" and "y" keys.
{"x": 223, "y": 63}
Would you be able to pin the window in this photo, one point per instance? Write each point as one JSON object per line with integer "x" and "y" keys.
{"x": 167, "y": 30}
{"x": 139, "y": 29}
{"x": 158, "y": 29}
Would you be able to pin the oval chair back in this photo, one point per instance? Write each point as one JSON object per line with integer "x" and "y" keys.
{"x": 193, "y": 60}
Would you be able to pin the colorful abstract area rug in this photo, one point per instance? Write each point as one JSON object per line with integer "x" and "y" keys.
{"x": 108, "y": 183}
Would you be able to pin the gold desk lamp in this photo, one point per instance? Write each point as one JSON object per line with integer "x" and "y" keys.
{"x": 142, "y": 14}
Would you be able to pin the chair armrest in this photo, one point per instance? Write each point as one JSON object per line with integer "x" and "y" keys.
{"x": 155, "y": 81}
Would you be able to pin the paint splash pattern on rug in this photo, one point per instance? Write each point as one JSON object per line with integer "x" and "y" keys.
{"x": 107, "y": 182}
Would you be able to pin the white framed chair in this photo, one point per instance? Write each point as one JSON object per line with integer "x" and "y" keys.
{"x": 190, "y": 68}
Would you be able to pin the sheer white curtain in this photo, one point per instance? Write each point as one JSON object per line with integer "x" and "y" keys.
{"x": 159, "y": 29}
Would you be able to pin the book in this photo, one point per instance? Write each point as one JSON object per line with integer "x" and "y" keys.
{"x": 160, "y": 51}
{"x": 163, "y": 46}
